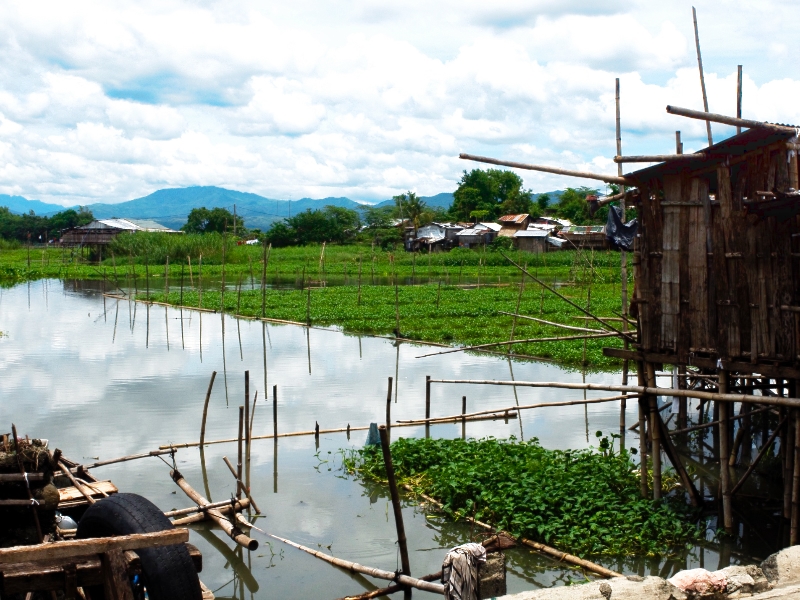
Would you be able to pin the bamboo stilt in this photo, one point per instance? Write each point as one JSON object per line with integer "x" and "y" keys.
{"x": 239, "y": 462}
{"x": 205, "y": 408}
{"x": 724, "y": 452}
{"x": 761, "y": 453}
{"x": 655, "y": 433}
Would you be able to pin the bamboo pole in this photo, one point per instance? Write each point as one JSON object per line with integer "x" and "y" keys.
{"x": 427, "y": 396}
{"x": 398, "y": 513}
{"x": 655, "y": 432}
{"x": 569, "y": 172}
{"x": 567, "y": 300}
{"x": 194, "y": 509}
{"x": 552, "y": 323}
{"x": 509, "y": 409}
{"x": 638, "y": 389}
{"x": 322, "y": 431}
{"x": 65, "y": 470}
{"x": 702, "y": 78}
{"x": 725, "y": 120}
{"x": 264, "y": 263}
{"x": 715, "y": 423}
{"x": 213, "y": 513}
{"x": 793, "y": 529}
{"x": 652, "y": 158}
{"x": 247, "y": 414}
{"x": 112, "y": 461}
{"x": 241, "y": 485}
{"x": 389, "y": 406}
{"x": 205, "y": 408}
{"x": 552, "y": 553}
{"x": 239, "y": 462}
{"x": 724, "y": 453}
{"x": 275, "y": 411}
{"x": 436, "y": 588}
{"x": 379, "y": 592}
{"x": 526, "y": 341}
{"x": 739, "y": 97}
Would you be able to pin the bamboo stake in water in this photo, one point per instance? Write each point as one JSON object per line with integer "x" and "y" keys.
{"x": 398, "y": 513}
{"x": 200, "y": 282}
{"x": 389, "y": 406}
{"x": 264, "y": 263}
{"x": 247, "y": 413}
{"x": 359, "y": 280}
{"x": 191, "y": 276}
{"x": 239, "y": 462}
{"x": 275, "y": 411}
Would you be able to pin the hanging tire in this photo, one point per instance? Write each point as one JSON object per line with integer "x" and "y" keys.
{"x": 168, "y": 572}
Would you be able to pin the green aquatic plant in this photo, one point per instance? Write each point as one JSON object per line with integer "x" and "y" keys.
{"x": 586, "y": 502}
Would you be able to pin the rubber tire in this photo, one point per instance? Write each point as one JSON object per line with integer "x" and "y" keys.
{"x": 168, "y": 571}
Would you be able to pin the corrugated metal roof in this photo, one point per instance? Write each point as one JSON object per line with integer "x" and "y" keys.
{"x": 474, "y": 231}
{"x": 128, "y": 225}
{"x": 531, "y": 233}
{"x": 492, "y": 226}
{"x": 513, "y": 218}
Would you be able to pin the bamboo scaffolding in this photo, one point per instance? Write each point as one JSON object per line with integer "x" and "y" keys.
{"x": 510, "y": 409}
{"x": 242, "y": 486}
{"x": 542, "y": 548}
{"x": 638, "y": 389}
{"x": 715, "y": 423}
{"x": 121, "y": 459}
{"x": 199, "y": 517}
{"x": 569, "y": 172}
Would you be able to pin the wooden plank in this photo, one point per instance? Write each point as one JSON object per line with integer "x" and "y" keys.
{"x": 116, "y": 582}
{"x": 729, "y": 232}
{"x": 70, "y": 496}
{"x": 50, "y": 574}
{"x": 697, "y": 267}
{"x": 89, "y": 546}
{"x": 670, "y": 263}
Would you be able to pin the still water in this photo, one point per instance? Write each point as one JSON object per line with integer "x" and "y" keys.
{"x": 103, "y": 378}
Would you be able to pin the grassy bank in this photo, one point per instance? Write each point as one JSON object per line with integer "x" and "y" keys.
{"x": 585, "y": 502}
{"x": 450, "y": 298}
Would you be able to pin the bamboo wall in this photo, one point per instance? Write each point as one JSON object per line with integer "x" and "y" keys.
{"x": 711, "y": 279}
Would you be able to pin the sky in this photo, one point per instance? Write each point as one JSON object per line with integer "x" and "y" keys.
{"x": 109, "y": 101}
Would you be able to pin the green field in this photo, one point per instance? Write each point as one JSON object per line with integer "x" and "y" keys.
{"x": 451, "y": 298}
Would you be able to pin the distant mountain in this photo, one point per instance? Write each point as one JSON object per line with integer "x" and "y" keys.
{"x": 20, "y": 205}
{"x": 171, "y": 206}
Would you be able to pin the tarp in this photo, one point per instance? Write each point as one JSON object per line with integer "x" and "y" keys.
{"x": 620, "y": 234}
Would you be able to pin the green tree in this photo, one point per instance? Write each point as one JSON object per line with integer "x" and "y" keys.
{"x": 411, "y": 207}
{"x": 331, "y": 224}
{"x": 219, "y": 220}
{"x": 572, "y": 205}
{"x": 543, "y": 201}
{"x": 494, "y": 190}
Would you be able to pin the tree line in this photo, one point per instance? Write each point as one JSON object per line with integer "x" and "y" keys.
{"x": 40, "y": 229}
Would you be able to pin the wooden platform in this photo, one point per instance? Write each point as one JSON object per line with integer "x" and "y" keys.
{"x": 71, "y": 497}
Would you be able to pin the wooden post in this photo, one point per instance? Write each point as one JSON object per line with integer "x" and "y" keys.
{"x": 724, "y": 452}
{"x": 739, "y": 97}
{"x": 200, "y": 282}
{"x": 308, "y": 306}
{"x": 463, "y": 417}
{"x": 264, "y": 262}
{"x": 655, "y": 432}
{"x": 247, "y": 414}
{"x": 678, "y": 143}
{"x": 389, "y": 406}
{"x": 222, "y": 284}
{"x": 427, "y": 396}
{"x": 239, "y": 462}
{"x": 398, "y": 514}
{"x": 275, "y": 412}
{"x": 21, "y": 464}
{"x": 359, "y": 280}
{"x": 682, "y": 402}
{"x": 702, "y": 79}
{"x": 396, "y": 307}
{"x": 205, "y": 408}
{"x": 116, "y": 581}
{"x": 166, "y": 280}
{"x": 642, "y": 433}
{"x": 793, "y": 532}
{"x": 180, "y": 301}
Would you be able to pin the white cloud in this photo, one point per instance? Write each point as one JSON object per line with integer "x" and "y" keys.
{"x": 106, "y": 101}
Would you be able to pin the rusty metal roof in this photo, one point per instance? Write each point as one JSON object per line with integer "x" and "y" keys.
{"x": 513, "y": 218}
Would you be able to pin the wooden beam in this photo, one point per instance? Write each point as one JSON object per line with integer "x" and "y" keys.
{"x": 717, "y": 118}
{"x": 658, "y": 158}
{"x": 90, "y": 546}
{"x": 557, "y": 171}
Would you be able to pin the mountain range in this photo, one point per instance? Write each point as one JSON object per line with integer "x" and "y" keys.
{"x": 171, "y": 206}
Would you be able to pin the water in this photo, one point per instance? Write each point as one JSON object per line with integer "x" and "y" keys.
{"x": 105, "y": 378}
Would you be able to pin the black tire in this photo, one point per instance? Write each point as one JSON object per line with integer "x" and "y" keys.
{"x": 168, "y": 571}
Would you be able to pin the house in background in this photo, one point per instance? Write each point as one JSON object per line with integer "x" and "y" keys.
{"x": 477, "y": 235}
{"x": 531, "y": 240}
{"x": 103, "y": 231}
{"x": 511, "y": 224}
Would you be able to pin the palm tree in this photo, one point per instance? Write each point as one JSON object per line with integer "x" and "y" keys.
{"x": 413, "y": 206}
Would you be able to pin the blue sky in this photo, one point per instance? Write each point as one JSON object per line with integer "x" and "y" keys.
{"x": 108, "y": 101}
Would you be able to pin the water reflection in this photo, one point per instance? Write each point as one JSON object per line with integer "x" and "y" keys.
{"x": 99, "y": 390}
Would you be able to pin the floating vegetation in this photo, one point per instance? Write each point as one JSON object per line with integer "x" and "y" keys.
{"x": 586, "y": 502}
